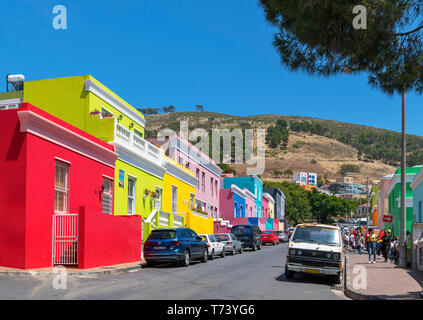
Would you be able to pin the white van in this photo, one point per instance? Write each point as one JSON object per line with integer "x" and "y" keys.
{"x": 316, "y": 249}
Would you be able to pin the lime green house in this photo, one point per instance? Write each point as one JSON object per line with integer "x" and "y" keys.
{"x": 394, "y": 199}
{"x": 87, "y": 104}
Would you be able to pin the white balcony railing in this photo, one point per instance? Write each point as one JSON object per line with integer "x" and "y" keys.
{"x": 137, "y": 145}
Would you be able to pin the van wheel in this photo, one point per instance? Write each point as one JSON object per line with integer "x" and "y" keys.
{"x": 254, "y": 248}
{"x": 288, "y": 273}
{"x": 338, "y": 279}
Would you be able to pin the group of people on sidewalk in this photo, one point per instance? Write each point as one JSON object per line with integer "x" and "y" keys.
{"x": 374, "y": 244}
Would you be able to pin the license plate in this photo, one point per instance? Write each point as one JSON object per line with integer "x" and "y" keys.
{"x": 312, "y": 271}
{"x": 159, "y": 248}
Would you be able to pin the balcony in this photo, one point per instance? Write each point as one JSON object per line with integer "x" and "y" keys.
{"x": 128, "y": 140}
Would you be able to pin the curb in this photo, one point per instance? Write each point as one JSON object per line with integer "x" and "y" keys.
{"x": 74, "y": 273}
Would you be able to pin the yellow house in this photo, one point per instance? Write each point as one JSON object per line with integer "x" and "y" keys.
{"x": 179, "y": 186}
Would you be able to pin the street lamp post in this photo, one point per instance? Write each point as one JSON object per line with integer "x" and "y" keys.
{"x": 403, "y": 220}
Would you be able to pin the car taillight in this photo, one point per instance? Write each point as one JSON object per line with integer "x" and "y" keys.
{"x": 228, "y": 242}
{"x": 208, "y": 245}
{"x": 175, "y": 243}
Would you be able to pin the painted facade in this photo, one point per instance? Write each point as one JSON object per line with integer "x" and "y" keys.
{"x": 394, "y": 207}
{"x": 253, "y": 184}
{"x": 279, "y": 198}
{"x": 85, "y": 103}
{"x": 205, "y": 169}
{"x": 382, "y": 199}
{"x": 232, "y": 204}
{"x": 48, "y": 168}
{"x": 250, "y": 203}
{"x": 265, "y": 204}
{"x": 417, "y": 187}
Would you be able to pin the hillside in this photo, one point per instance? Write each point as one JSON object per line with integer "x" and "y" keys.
{"x": 314, "y": 145}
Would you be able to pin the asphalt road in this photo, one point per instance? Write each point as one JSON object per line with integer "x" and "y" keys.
{"x": 251, "y": 275}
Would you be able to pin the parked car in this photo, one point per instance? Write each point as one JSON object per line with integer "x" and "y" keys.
{"x": 269, "y": 236}
{"x": 232, "y": 244}
{"x": 249, "y": 235}
{"x": 179, "y": 245}
{"x": 283, "y": 237}
{"x": 214, "y": 246}
{"x": 316, "y": 249}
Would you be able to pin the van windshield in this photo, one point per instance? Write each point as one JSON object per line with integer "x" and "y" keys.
{"x": 315, "y": 234}
{"x": 241, "y": 230}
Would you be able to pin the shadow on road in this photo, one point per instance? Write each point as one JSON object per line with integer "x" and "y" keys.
{"x": 304, "y": 278}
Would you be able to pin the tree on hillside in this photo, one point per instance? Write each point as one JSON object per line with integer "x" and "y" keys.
{"x": 318, "y": 37}
{"x": 346, "y": 168}
{"x": 199, "y": 107}
{"x": 168, "y": 109}
{"x": 149, "y": 111}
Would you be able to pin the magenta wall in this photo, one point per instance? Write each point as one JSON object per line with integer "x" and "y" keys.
{"x": 108, "y": 239}
{"x": 13, "y": 151}
{"x": 226, "y": 200}
{"x": 265, "y": 207}
{"x": 275, "y": 224}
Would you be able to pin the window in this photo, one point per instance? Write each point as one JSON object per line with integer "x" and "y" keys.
{"x": 187, "y": 165}
{"x": 107, "y": 196}
{"x": 174, "y": 199}
{"x": 192, "y": 201}
{"x": 61, "y": 187}
{"x": 235, "y": 211}
{"x": 215, "y": 212}
{"x": 203, "y": 181}
{"x": 211, "y": 186}
{"x": 131, "y": 195}
{"x": 197, "y": 173}
{"x": 181, "y": 161}
{"x": 158, "y": 203}
{"x": 215, "y": 188}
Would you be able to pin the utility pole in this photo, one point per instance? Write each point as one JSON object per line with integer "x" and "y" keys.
{"x": 368, "y": 204}
{"x": 403, "y": 220}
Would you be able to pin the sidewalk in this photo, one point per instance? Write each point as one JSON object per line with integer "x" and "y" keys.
{"x": 46, "y": 272}
{"x": 384, "y": 280}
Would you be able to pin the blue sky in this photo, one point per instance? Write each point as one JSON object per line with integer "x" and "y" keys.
{"x": 154, "y": 53}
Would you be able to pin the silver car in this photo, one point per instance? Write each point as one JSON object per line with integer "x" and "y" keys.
{"x": 283, "y": 237}
{"x": 232, "y": 244}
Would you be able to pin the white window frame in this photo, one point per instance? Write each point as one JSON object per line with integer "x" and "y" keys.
{"x": 107, "y": 195}
{"x": 65, "y": 189}
{"x": 132, "y": 208}
{"x": 174, "y": 199}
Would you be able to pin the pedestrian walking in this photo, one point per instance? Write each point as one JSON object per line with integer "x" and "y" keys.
{"x": 360, "y": 242}
{"x": 371, "y": 241}
{"x": 352, "y": 242}
{"x": 386, "y": 244}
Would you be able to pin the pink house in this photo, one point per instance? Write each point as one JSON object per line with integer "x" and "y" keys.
{"x": 207, "y": 172}
{"x": 265, "y": 206}
{"x": 250, "y": 204}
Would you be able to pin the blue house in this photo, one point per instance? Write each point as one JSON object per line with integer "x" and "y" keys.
{"x": 253, "y": 184}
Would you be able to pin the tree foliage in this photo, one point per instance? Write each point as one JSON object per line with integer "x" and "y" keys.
{"x": 277, "y": 133}
{"x": 318, "y": 37}
{"x": 302, "y": 205}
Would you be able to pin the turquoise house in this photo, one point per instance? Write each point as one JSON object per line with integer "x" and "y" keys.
{"x": 417, "y": 187}
{"x": 253, "y": 184}
{"x": 394, "y": 200}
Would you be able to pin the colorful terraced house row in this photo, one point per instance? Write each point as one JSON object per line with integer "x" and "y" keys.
{"x": 84, "y": 166}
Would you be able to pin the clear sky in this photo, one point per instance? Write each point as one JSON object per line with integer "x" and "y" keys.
{"x": 154, "y": 53}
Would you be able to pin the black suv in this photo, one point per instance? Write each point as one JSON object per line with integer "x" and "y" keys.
{"x": 249, "y": 235}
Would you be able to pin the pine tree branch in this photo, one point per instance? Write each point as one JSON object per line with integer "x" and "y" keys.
{"x": 409, "y": 32}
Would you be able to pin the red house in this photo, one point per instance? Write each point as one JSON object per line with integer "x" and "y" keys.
{"x": 56, "y": 196}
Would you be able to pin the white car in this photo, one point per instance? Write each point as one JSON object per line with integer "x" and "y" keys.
{"x": 214, "y": 247}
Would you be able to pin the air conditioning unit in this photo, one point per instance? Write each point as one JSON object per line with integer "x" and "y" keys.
{"x": 16, "y": 80}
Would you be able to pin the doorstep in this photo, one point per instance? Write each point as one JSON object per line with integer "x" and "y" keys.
{"x": 73, "y": 271}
